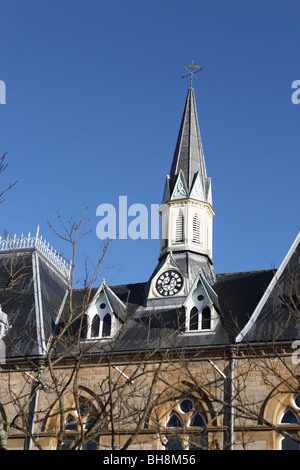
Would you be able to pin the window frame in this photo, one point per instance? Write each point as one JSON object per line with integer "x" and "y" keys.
{"x": 289, "y": 426}
{"x": 199, "y": 299}
{"x": 186, "y": 431}
{"x": 91, "y": 319}
{"x": 72, "y": 419}
{"x": 200, "y": 320}
{"x": 101, "y": 309}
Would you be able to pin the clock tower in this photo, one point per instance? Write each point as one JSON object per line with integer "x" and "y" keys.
{"x": 186, "y": 215}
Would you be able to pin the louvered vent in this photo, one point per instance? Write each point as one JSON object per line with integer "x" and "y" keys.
{"x": 196, "y": 229}
{"x": 164, "y": 241}
{"x": 179, "y": 236}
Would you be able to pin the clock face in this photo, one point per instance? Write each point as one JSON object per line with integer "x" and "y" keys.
{"x": 169, "y": 283}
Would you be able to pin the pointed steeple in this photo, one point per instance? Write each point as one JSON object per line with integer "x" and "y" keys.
{"x": 186, "y": 240}
{"x": 188, "y": 157}
{"x": 187, "y": 211}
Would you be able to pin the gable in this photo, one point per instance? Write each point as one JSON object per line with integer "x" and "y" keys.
{"x": 197, "y": 191}
{"x": 276, "y": 316}
{"x": 180, "y": 189}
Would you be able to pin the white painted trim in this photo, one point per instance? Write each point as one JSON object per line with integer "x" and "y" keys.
{"x": 38, "y": 304}
{"x": 57, "y": 319}
{"x": 268, "y": 291}
{"x": 36, "y": 241}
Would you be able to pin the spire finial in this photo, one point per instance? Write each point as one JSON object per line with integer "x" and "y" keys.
{"x": 192, "y": 69}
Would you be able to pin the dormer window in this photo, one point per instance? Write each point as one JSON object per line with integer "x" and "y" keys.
{"x": 105, "y": 314}
{"x": 200, "y": 319}
{"x": 201, "y": 313}
{"x": 102, "y": 322}
{"x": 100, "y": 327}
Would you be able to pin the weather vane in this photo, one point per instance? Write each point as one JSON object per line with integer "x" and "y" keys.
{"x": 192, "y": 69}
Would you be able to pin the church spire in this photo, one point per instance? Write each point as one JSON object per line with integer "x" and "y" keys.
{"x": 186, "y": 216}
{"x": 188, "y": 156}
{"x": 187, "y": 210}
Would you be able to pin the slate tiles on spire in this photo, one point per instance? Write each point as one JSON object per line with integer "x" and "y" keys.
{"x": 188, "y": 156}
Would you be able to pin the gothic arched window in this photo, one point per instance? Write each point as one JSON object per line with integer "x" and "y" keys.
{"x": 187, "y": 424}
{"x": 174, "y": 421}
{"x": 95, "y": 329}
{"x": 200, "y": 319}
{"x": 70, "y": 423}
{"x": 289, "y": 420}
{"x": 88, "y": 416}
{"x": 197, "y": 420}
{"x": 101, "y": 325}
{"x": 289, "y": 417}
{"x": 106, "y": 327}
{"x": 194, "y": 319}
{"x": 206, "y": 319}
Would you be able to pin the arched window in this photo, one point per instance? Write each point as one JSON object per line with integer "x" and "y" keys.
{"x": 3, "y": 419}
{"x": 179, "y": 235}
{"x": 70, "y": 424}
{"x": 188, "y": 427}
{"x": 288, "y": 443}
{"x": 206, "y": 319}
{"x": 106, "y": 327}
{"x": 200, "y": 319}
{"x": 197, "y": 441}
{"x": 89, "y": 417}
{"x": 197, "y": 421}
{"x": 174, "y": 421}
{"x": 196, "y": 228}
{"x": 95, "y": 329}
{"x": 194, "y": 319}
{"x": 101, "y": 325}
{"x": 289, "y": 417}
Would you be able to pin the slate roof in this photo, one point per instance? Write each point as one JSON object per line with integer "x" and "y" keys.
{"x": 239, "y": 294}
{"x": 32, "y": 292}
{"x": 152, "y": 327}
{"x": 277, "y": 314}
{"x": 37, "y": 306}
{"x": 188, "y": 155}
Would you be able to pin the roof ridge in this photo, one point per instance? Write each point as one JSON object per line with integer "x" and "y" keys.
{"x": 112, "y": 287}
{"x": 247, "y": 272}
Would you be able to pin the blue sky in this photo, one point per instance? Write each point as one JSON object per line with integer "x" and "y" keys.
{"x": 94, "y": 99}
